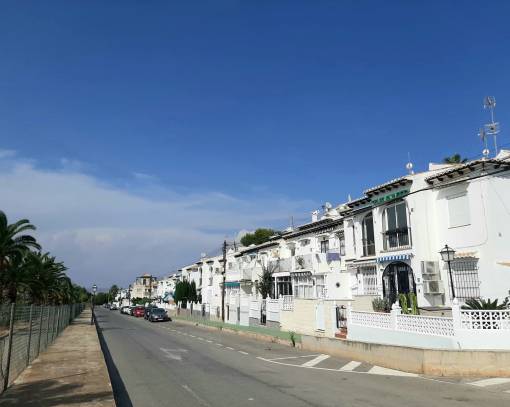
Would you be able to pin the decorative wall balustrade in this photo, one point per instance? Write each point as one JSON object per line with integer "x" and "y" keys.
{"x": 287, "y": 303}
{"x": 428, "y": 325}
{"x": 485, "y": 319}
{"x": 371, "y": 319}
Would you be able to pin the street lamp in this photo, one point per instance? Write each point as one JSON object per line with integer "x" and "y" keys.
{"x": 448, "y": 255}
{"x": 94, "y": 289}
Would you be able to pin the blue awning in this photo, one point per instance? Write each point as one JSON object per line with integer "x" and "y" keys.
{"x": 232, "y": 284}
{"x": 395, "y": 257}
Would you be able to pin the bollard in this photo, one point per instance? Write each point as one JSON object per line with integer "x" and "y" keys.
{"x": 30, "y": 333}
{"x": 9, "y": 348}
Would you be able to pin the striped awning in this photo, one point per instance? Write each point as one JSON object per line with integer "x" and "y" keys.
{"x": 395, "y": 257}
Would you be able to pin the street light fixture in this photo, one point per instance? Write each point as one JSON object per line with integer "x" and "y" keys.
{"x": 94, "y": 289}
{"x": 448, "y": 255}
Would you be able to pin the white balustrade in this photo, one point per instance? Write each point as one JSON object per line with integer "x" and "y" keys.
{"x": 485, "y": 319}
{"x": 273, "y": 310}
{"x": 287, "y": 303}
{"x": 427, "y": 325}
{"x": 371, "y": 319}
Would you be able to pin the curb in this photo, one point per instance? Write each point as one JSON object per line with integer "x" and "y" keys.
{"x": 246, "y": 334}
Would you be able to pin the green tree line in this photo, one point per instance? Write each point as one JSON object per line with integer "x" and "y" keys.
{"x": 29, "y": 275}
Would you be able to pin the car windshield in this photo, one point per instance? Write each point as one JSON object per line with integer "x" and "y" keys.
{"x": 158, "y": 311}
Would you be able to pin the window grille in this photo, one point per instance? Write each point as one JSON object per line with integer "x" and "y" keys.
{"x": 465, "y": 278}
{"x": 368, "y": 278}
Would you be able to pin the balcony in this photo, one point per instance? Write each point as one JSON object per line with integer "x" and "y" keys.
{"x": 397, "y": 239}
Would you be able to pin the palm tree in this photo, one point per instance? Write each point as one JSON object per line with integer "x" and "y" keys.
{"x": 481, "y": 304}
{"x": 13, "y": 246}
{"x": 454, "y": 159}
{"x": 265, "y": 284}
{"x": 46, "y": 280}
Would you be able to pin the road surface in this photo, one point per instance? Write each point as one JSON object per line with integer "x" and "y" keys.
{"x": 177, "y": 364}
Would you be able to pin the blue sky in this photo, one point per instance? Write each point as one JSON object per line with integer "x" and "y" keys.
{"x": 237, "y": 111}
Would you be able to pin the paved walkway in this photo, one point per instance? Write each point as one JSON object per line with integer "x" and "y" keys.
{"x": 72, "y": 372}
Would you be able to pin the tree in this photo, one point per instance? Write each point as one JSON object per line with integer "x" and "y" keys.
{"x": 265, "y": 284}
{"x": 182, "y": 293}
{"x": 260, "y": 235}
{"x": 14, "y": 244}
{"x": 454, "y": 159}
{"x": 193, "y": 297}
{"x": 114, "y": 290}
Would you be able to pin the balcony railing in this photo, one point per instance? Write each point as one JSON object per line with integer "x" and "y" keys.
{"x": 397, "y": 238}
{"x": 368, "y": 248}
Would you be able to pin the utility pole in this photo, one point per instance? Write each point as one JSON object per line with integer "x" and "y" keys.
{"x": 224, "y": 278}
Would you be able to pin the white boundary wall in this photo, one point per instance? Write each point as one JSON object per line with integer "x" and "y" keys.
{"x": 466, "y": 329}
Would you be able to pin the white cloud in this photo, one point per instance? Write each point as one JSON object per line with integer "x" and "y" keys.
{"x": 106, "y": 234}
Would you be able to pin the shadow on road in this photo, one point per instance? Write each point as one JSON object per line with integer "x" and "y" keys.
{"x": 119, "y": 389}
{"x": 47, "y": 393}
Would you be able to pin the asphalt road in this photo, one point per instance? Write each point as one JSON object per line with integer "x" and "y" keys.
{"x": 177, "y": 364}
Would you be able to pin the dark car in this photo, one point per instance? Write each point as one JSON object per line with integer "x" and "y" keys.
{"x": 148, "y": 310}
{"x": 158, "y": 314}
{"x": 139, "y": 312}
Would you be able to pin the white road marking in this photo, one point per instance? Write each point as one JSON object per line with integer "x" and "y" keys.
{"x": 244, "y": 353}
{"x": 219, "y": 344}
{"x": 208, "y": 340}
{"x": 294, "y": 357}
{"x": 200, "y": 339}
{"x": 491, "y": 382}
{"x": 390, "y": 372}
{"x": 193, "y": 336}
{"x": 228, "y": 347}
{"x": 196, "y": 396}
{"x": 350, "y": 366}
{"x": 315, "y": 361}
{"x": 173, "y": 353}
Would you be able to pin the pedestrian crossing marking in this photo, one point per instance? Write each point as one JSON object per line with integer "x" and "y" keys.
{"x": 491, "y": 382}
{"x": 350, "y": 366}
{"x": 315, "y": 361}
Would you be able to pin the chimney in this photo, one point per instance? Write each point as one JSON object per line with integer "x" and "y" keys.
{"x": 315, "y": 216}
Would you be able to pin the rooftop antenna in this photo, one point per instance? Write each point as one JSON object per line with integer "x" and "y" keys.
{"x": 349, "y": 199}
{"x": 483, "y": 136}
{"x": 409, "y": 165}
{"x": 492, "y": 128}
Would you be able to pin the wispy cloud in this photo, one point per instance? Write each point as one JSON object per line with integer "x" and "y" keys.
{"x": 108, "y": 234}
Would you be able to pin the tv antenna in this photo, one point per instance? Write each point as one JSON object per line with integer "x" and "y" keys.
{"x": 492, "y": 128}
{"x": 483, "y": 136}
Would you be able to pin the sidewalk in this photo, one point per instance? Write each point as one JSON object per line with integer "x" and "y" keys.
{"x": 71, "y": 372}
{"x": 257, "y": 332}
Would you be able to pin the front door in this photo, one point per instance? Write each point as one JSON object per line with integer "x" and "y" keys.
{"x": 398, "y": 279}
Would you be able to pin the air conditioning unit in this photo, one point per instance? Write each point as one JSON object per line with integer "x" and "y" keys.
{"x": 433, "y": 287}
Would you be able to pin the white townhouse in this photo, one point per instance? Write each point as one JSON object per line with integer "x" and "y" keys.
{"x": 166, "y": 288}
{"x": 211, "y": 269}
{"x": 395, "y": 232}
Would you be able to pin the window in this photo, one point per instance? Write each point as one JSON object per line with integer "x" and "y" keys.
{"x": 283, "y": 286}
{"x": 458, "y": 211}
{"x": 341, "y": 239}
{"x": 293, "y": 251}
{"x": 367, "y": 280}
{"x": 324, "y": 246}
{"x": 320, "y": 286}
{"x": 368, "y": 235}
{"x": 396, "y": 233}
{"x": 303, "y": 286}
{"x": 465, "y": 278}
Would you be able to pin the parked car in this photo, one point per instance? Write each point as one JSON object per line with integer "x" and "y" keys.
{"x": 124, "y": 309}
{"x": 148, "y": 310}
{"x": 139, "y": 311}
{"x": 159, "y": 314}
{"x": 114, "y": 307}
{"x": 131, "y": 309}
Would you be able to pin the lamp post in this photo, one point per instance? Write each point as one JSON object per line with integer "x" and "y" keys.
{"x": 448, "y": 255}
{"x": 94, "y": 289}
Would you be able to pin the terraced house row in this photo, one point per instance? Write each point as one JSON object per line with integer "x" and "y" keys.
{"x": 395, "y": 239}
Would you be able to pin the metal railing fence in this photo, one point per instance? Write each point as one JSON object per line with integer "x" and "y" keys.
{"x": 26, "y": 331}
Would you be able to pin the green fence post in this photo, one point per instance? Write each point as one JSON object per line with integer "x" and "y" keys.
{"x": 30, "y": 333}
{"x": 41, "y": 309}
{"x": 9, "y": 348}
